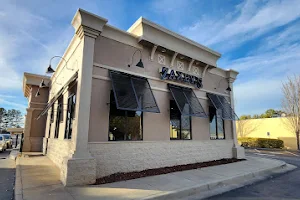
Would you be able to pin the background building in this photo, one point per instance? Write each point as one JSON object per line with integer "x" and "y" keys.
{"x": 275, "y": 128}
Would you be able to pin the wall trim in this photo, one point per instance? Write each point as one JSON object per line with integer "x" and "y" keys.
{"x": 148, "y": 77}
{"x": 162, "y": 141}
{"x": 37, "y": 103}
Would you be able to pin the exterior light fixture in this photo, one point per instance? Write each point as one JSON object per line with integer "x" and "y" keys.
{"x": 163, "y": 50}
{"x": 37, "y": 93}
{"x": 228, "y": 89}
{"x": 140, "y": 63}
{"x": 50, "y": 70}
{"x": 42, "y": 84}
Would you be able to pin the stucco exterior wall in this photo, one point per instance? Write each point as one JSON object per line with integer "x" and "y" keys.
{"x": 113, "y": 157}
{"x": 60, "y": 148}
{"x": 156, "y": 149}
{"x": 34, "y": 129}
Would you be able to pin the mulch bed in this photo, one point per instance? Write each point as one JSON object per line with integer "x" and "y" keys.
{"x": 163, "y": 170}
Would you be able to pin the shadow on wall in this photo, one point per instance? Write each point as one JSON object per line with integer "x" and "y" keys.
{"x": 289, "y": 142}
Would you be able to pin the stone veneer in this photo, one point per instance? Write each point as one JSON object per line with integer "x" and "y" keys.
{"x": 123, "y": 156}
{"x": 58, "y": 150}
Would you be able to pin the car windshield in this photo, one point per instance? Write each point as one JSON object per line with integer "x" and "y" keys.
{"x": 6, "y": 136}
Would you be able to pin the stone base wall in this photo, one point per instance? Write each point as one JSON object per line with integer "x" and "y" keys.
{"x": 78, "y": 172}
{"x": 59, "y": 150}
{"x": 123, "y": 156}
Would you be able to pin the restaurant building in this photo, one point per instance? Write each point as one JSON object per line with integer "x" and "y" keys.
{"x": 123, "y": 101}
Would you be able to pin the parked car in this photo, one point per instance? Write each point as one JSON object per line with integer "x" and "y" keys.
{"x": 3, "y": 145}
{"x": 8, "y": 140}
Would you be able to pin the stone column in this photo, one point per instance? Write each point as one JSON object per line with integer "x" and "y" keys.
{"x": 80, "y": 168}
{"x": 237, "y": 150}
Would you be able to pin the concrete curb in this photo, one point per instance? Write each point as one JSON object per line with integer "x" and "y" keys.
{"x": 202, "y": 191}
{"x": 18, "y": 181}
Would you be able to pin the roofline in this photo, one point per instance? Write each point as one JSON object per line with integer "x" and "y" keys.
{"x": 26, "y": 75}
{"x": 176, "y": 35}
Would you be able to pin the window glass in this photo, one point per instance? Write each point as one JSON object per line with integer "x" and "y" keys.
{"x": 6, "y": 137}
{"x": 1, "y": 138}
{"x": 58, "y": 116}
{"x": 180, "y": 126}
{"x": 70, "y": 116}
{"x": 216, "y": 126}
{"x": 124, "y": 124}
{"x": 52, "y": 114}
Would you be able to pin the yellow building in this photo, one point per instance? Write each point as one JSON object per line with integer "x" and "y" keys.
{"x": 275, "y": 128}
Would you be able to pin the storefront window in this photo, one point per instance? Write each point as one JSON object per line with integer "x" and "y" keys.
{"x": 70, "y": 116}
{"x": 216, "y": 124}
{"x": 51, "y": 119}
{"x": 124, "y": 124}
{"x": 59, "y": 116}
{"x": 180, "y": 125}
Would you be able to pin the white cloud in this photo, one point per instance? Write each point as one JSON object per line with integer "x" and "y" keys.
{"x": 257, "y": 95}
{"x": 249, "y": 20}
{"x": 20, "y": 106}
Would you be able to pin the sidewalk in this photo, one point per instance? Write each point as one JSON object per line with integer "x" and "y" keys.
{"x": 37, "y": 178}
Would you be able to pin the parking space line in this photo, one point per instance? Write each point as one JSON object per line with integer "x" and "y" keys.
{"x": 257, "y": 150}
{"x": 292, "y": 153}
{"x": 275, "y": 152}
{"x": 263, "y": 154}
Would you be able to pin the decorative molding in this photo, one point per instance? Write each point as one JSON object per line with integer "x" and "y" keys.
{"x": 161, "y": 59}
{"x": 204, "y": 71}
{"x": 196, "y": 70}
{"x": 37, "y": 103}
{"x": 153, "y": 52}
{"x": 173, "y": 59}
{"x": 180, "y": 65}
{"x": 86, "y": 31}
{"x": 190, "y": 65}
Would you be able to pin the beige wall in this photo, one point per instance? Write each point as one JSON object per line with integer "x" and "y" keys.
{"x": 34, "y": 129}
{"x": 277, "y": 127}
{"x": 112, "y": 53}
{"x": 115, "y": 54}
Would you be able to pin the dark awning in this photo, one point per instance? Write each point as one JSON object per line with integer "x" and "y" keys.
{"x": 187, "y": 101}
{"x": 133, "y": 93}
{"x": 223, "y": 107}
{"x": 52, "y": 101}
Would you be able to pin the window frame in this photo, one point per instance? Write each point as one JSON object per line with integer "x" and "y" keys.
{"x": 112, "y": 95}
{"x": 69, "y": 121}
{"x": 216, "y": 125}
{"x": 180, "y": 122}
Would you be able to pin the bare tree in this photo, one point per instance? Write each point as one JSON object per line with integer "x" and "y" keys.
{"x": 291, "y": 104}
{"x": 247, "y": 126}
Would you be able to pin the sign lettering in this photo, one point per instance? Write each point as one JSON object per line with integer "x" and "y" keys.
{"x": 170, "y": 74}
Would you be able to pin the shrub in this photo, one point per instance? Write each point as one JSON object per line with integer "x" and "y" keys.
{"x": 260, "y": 142}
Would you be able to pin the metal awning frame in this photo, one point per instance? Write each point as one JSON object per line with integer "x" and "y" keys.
{"x": 54, "y": 99}
{"x": 222, "y": 109}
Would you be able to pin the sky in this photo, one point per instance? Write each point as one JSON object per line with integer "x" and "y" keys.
{"x": 258, "y": 38}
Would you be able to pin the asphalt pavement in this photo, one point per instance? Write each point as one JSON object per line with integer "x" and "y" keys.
{"x": 7, "y": 176}
{"x": 285, "y": 186}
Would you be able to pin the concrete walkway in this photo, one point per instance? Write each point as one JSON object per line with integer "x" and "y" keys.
{"x": 38, "y": 178}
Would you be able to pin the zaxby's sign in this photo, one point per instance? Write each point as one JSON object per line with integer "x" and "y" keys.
{"x": 170, "y": 74}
